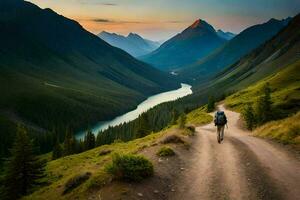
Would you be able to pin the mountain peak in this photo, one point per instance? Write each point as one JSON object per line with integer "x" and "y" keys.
{"x": 201, "y": 24}
{"x": 104, "y": 32}
{"x": 133, "y": 35}
{"x": 198, "y": 23}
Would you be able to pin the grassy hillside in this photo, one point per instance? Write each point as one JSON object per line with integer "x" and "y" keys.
{"x": 285, "y": 86}
{"x": 286, "y": 131}
{"x": 54, "y": 74}
{"x": 199, "y": 116}
{"x": 60, "y": 171}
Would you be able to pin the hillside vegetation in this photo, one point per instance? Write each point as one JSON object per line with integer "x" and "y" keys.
{"x": 285, "y": 98}
{"x": 89, "y": 168}
{"x": 199, "y": 116}
{"x": 286, "y": 131}
{"x": 54, "y": 74}
{"x": 285, "y": 91}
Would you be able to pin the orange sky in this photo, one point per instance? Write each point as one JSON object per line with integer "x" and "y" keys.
{"x": 161, "y": 19}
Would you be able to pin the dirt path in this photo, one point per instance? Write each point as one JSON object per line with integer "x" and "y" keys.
{"x": 242, "y": 167}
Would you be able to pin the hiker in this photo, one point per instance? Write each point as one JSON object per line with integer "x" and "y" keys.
{"x": 220, "y": 122}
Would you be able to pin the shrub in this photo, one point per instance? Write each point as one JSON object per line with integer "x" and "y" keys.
{"x": 249, "y": 117}
{"x": 264, "y": 106}
{"x": 76, "y": 181}
{"x": 165, "y": 151}
{"x": 104, "y": 152}
{"x": 191, "y": 128}
{"x": 130, "y": 167}
{"x": 172, "y": 139}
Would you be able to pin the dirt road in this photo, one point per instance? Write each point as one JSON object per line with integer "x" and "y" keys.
{"x": 242, "y": 167}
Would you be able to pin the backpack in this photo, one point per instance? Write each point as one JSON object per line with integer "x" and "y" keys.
{"x": 220, "y": 118}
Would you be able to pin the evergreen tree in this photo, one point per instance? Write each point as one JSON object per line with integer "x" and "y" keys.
{"x": 57, "y": 150}
{"x": 182, "y": 121}
{"x": 99, "y": 138}
{"x": 23, "y": 170}
{"x": 174, "y": 116}
{"x": 249, "y": 117}
{"x": 80, "y": 147}
{"x": 89, "y": 140}
{"x": 264, "y": 106}
{"x": 211, "y": 104}
{"x": 69, "y": 143}
{"x": 143, "y": 126}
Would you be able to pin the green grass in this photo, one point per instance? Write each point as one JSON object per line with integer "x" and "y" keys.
{"x": 286, "y": 131}
{"x": 130, "y": 167}
{"x": 285, "y": 86}
{"x": 165, "y": 151}
{"x": 60, "y": 171}
{"x": 199, "y": 117}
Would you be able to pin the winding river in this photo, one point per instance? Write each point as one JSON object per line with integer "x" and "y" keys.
{"x": 150, "y": 102}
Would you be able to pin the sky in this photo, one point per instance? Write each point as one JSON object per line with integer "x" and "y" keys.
{"x": 161, "y": 19}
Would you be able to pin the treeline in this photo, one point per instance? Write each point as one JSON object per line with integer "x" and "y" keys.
{"x": 262, "y": 111}
{"x": 151, "y": 121}
{"x": 154, "y": 120}
{"x": 62, "y": 142}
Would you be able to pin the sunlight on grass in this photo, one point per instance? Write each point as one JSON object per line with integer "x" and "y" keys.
{"x": 286, "y": 131}
{"x": 199, "y": 117}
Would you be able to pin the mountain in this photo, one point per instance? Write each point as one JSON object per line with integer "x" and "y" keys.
{"x": 232, "y": 51}
{"x": 195, "y": 42}
{"x": 225, "y": 35}
{"x": 55, "y": 74}
{"x": 275, "y": 55}
{"x": 132, "y": 44}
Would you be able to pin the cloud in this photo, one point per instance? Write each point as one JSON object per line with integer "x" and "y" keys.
{"x": 100, "y": 20}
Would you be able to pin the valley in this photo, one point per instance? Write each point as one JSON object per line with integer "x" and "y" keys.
{"x": 91, "y": 109}
{"x": 149, "y": 103}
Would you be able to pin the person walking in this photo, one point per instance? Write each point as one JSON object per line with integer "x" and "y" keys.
{"x": 220, "y": 122}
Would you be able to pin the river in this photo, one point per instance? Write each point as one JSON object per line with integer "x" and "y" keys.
{"x": 150, "y": 102}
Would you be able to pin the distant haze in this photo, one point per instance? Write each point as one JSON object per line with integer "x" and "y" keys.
{"x": 161, "y": 19}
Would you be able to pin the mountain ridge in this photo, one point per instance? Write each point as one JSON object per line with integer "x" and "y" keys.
{"x": 194, "y": 42}
{"x": 226, "y": 35}
{"x": 232, "y": 51}
{"x": 133, "y": 43}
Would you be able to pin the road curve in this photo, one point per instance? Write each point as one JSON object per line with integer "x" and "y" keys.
{"x": 242, "y": 167}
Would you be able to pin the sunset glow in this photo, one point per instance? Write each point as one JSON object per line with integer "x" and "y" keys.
{"x": 160, "y": 19}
